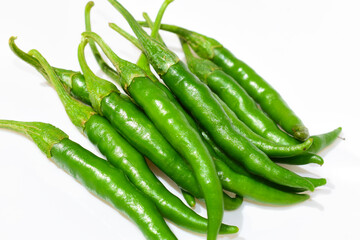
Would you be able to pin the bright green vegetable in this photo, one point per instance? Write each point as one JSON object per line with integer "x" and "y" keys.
{"x": 97, "y": 175}
{"x": 266, "y": 96}
{"x": 236, "y": 98}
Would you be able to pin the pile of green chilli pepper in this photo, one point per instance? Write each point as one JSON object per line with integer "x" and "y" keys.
{"x": 212, "y": 125}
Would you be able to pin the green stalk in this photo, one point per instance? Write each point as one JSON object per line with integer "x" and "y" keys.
{"x": 103, "y": 65}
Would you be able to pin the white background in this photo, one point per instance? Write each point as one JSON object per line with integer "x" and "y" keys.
{"x": 308, "y": 50}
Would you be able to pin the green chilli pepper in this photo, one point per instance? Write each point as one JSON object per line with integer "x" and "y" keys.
{"x": 318, "y": 142}
{"x": 262, "y": 143}
{"x": 97, "y": 175}
{"x": 262, "y": 92}
{"x": 265, "y": 194}
{"x": 190, "y": 199}
{"x": 175, "y": 127}
{"x": 322, "y": 141}
{"x": 120, "y": 153}
{"x": 238, "y": 100}
{"x": 198, "y": 99}
{"x": 228, "y": 172}
{"x": 232, "y": 203}
{"x": 236, "y": 167}
{"x": 248, "y": 186}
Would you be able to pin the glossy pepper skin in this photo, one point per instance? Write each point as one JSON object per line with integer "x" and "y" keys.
{"x": 197, "y": 98}
{"x": 97, "y": 175}
{"x": 203, "y": 68}
{"x": 130, "y": 122}
{"x": 318, "y": 142}
{"x": 322, "y": 141}
{"x": 238, "y": 168}
{"x": 229, "y": 203}
{"x": 235, "y": 97}
{"x": 262, "y": 92}
{"x": 121, "y": 154}
{"x": 264, "y": 193}
{"x": 270, "y": 148}
{"x": 241, "y": 186}
{"x": 133, "y": 125}
{"x": 231, "y": 92}
{"x": 103, "y": 135}
{"x": 210, "y": 70}
{"x": 267, "y": 146}
{"x": 112, "y": 107}
{"x": 175, "y": 128}
{"x": 244, "y": 184}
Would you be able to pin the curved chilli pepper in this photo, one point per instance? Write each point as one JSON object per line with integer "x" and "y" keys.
{"x": 235, "y": 97}
{"x": 247, "y": 185}
{"x": 236, "y": 167}
{"x": 190, "y": 199}
{"x": 122, "y": 155}
{"x": 267, "y": 146}
{"x": 244, "y": 186}
{"x": 221, "y": 83}
{"x": 176, "y": 129}
{"x": 232, "y": 203}
{"x": 301, "y": 159}
{"x": 261, "y": 91}
{"x": 199, "y": 100}
{"x": 320, "y": 142}
{"x": 97, "y": 175}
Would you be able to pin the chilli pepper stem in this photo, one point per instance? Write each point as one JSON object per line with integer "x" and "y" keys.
{"x": 155, "y": 28}
{"x": 103, "y": 65}
{"x": 78, "y": 113}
